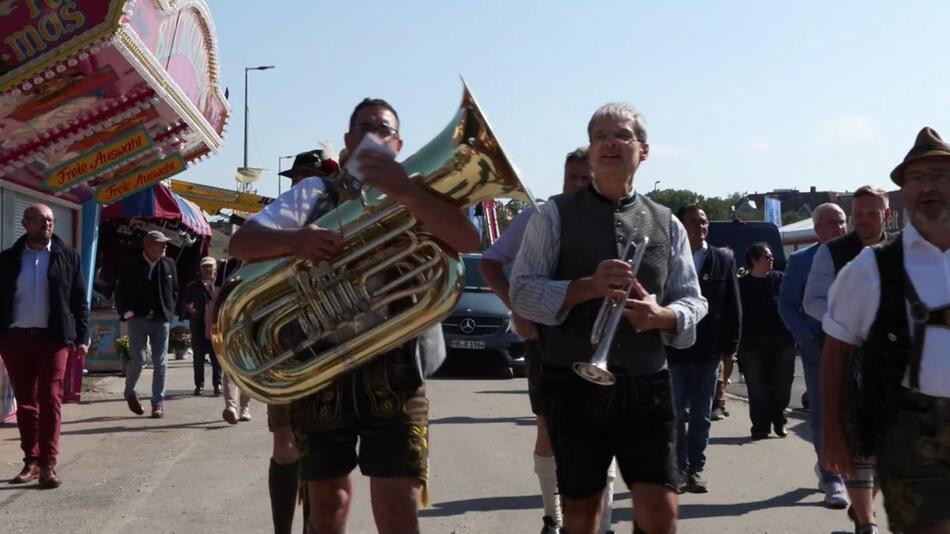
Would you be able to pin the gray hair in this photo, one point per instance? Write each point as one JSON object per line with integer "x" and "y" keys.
{"x": 622, "y": 111}
{"x": 816, "y": 214}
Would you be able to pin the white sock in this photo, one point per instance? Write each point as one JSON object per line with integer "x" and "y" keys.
{"x": 605, "y": 517}
{"x": 545, "y": 468}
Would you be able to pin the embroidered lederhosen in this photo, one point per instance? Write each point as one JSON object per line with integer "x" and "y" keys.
{"x": 383, "y": 402}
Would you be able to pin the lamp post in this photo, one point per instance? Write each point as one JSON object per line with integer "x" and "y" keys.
{"x": 246, "y": 70}
{"x": 656, "y": 183}
{"x": 280, "y": 162}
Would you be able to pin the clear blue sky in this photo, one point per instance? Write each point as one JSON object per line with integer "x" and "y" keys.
{"x": 738, "y": 96}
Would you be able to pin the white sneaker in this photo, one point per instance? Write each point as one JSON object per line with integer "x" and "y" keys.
{"x": 836, "y": 496}
{"x": 245, "y": 414}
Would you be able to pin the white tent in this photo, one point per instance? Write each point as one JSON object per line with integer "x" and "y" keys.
{"x": 798, "y": 234}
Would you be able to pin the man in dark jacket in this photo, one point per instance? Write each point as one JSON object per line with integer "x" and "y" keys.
{"x": 694, "y": 370}
{"x": 196, "y": 307}
{"x": 145, "y": 297}
{"x": 43, "y": 314}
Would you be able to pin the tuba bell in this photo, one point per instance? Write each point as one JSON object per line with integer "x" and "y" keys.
{"x": 286, "y": 328}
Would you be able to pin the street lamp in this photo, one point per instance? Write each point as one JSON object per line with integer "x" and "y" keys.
{"x": 280, "y": 162}
{"x": 656, "y": 183}
{"x": 246, "y": 69}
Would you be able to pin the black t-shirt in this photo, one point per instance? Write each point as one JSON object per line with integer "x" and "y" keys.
{"x": 760, "y": 318}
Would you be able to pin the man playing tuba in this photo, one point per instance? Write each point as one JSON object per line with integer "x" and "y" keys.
{"x": 382, "y": 404}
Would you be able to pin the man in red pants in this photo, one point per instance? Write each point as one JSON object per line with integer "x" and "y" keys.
{"x": 43, "y": 313}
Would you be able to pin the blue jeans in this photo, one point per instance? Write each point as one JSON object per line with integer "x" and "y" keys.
{"x": 153, "y": 332}
{"x": 694, "y": 387}
{"x": 811, "y": 364}
{"x": 769, "y": 367}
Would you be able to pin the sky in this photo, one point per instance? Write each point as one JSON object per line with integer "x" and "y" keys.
{"x": 738, "y": 96}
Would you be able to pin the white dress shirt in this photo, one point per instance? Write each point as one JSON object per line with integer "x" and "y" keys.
{"x": 820, "y": 277}
{"x": 31, "y": 300}
{"x": 151, "y": 264}
{"x": 699, "y": 256}
{"x": 538, "y": 298}
{"x": 291, "y": 209}
{"x": 856, "y": 294}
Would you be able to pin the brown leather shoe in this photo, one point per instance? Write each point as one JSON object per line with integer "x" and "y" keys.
{"x": 134, "y": 405}
{"x": 30, "y": 471}
{"x": 158, "y": 411}
{"x": 48, "y": 477}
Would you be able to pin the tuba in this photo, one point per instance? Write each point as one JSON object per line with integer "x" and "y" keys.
{"x": 286, "y": 328}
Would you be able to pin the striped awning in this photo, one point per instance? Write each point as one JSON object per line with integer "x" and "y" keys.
{"x": 158, "y": 202}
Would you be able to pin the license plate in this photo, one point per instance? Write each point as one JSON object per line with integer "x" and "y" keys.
{"x": 466, "y": 344}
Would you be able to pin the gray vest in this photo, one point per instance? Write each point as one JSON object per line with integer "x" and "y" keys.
{"x": 594, "y": 229}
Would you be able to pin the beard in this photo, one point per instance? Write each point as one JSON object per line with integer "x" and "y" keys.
{"x": 931, "y": 212}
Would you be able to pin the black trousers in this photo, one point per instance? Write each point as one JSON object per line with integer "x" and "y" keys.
{"x": 769, "y": 367}
{"x": 201, "y": 346}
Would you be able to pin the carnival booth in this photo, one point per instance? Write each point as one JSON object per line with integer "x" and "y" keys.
{"x": 100, "y": 100}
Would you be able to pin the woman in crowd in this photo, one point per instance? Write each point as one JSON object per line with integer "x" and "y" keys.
{"x": 766, "y": 353}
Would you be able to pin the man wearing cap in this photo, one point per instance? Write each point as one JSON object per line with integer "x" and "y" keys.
{"x": 890, "y": 309}
{"x": 145, "y": 296}
{"x": 43, "y": 314}
{"x": 196, "y": 307}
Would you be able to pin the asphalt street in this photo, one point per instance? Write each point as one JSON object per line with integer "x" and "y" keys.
{"x": 193, "y": 473}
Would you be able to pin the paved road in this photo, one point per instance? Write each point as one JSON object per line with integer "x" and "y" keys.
{"x": 192, "y": 473}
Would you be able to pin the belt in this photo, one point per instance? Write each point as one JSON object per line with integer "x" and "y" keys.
{"x": 30, "y": 331}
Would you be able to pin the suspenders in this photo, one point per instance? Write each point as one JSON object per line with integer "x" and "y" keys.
{"x": 898, "y": 291}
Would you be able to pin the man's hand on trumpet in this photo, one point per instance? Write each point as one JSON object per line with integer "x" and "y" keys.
{"x": 643, "y": 311}
{"x": 612, "y": 275}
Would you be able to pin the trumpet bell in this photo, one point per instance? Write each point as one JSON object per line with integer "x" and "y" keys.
{"x": 595, "y": 374}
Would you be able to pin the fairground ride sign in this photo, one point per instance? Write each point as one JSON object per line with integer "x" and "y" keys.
{"x": 139, "y": 179}
{"x": 94, "y": 161}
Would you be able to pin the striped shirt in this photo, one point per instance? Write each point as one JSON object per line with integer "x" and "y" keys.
{"x": 538, "y": 298}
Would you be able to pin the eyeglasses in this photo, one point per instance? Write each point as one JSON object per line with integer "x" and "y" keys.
{"x": 915, "y": 179}
{"x": 624, "y": 136}
{"x": 382, "y": 130}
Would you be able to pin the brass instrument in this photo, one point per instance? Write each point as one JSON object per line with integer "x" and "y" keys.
{"x": 606, "y": 324}
{"x": 343, "y": 308}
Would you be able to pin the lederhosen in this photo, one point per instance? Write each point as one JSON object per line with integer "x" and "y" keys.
{"x": 383, "y": 397}
{"x": 908, "y": 431}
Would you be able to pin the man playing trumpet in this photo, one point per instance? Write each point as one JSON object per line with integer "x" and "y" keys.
{"x": 568, "y": 262}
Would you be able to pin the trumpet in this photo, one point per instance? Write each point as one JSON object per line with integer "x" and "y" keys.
{"x": 606, "y": 324}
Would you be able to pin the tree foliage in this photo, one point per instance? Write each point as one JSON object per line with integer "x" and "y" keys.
{"x": 716, "y": 208}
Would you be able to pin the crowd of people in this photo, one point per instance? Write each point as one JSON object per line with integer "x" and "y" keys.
{"x": 868, "y": 312}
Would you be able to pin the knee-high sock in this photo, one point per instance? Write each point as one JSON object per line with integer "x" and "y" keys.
{"x": 605, "y": 517}
{"x": 282, "y": 481}
{"x": 545, "y": 468}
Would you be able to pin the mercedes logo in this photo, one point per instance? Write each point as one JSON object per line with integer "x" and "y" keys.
{"x": 467, "y": 326}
